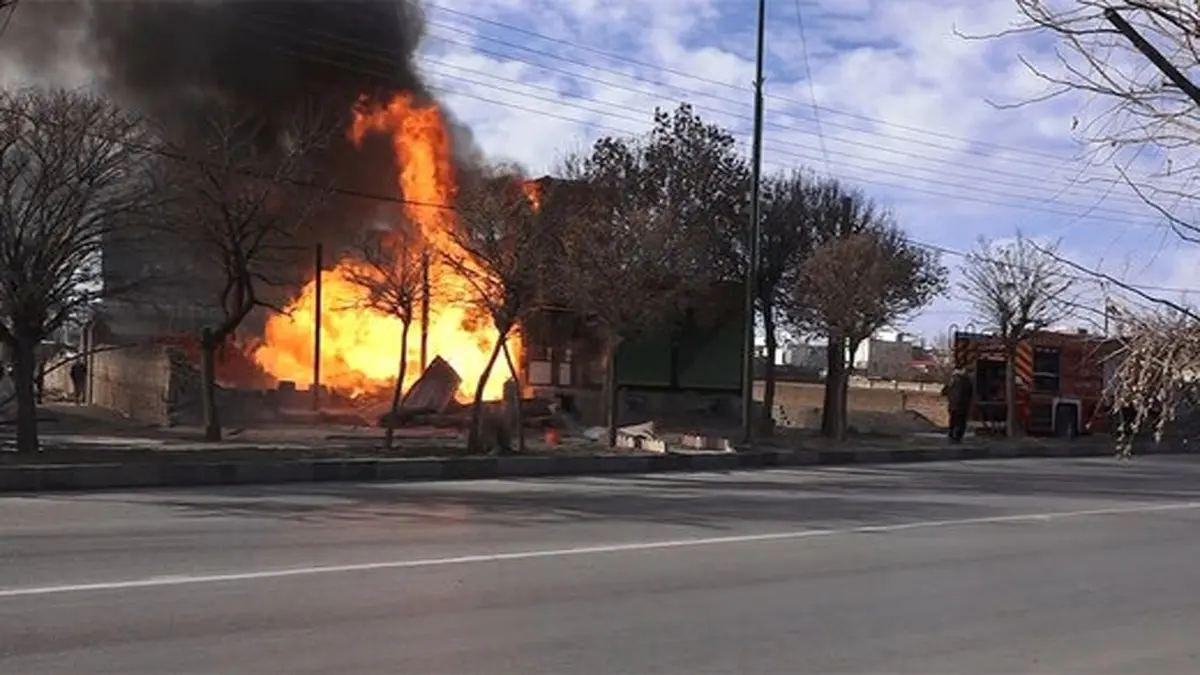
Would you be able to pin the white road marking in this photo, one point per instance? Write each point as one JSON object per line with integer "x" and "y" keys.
{"x": 187, "y": 580}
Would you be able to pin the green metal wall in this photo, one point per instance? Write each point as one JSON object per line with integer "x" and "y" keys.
{"x": 708, "y": 359}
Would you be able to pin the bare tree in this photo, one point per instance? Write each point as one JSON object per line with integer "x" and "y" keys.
{"x": 74, "y": 170}
{"x": 245, "y": 195}
{"x": 855, "y": 285}
{"x": 1140, "y": 106}
{"x": 1155, "y": 373}
{"x": 1017, "y": 290}
{"x": 498, "y": 248}
{"x": 1144, "y": 105}
{"x": 389, "y": 267}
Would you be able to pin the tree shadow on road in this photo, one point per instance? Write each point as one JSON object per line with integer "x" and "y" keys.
{"x": 798, "y": 498}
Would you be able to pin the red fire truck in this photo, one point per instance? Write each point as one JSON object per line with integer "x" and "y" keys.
{"x": 1061, "y": 380}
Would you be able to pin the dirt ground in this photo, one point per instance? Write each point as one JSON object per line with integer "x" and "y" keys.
{"x": 795, "y": 399}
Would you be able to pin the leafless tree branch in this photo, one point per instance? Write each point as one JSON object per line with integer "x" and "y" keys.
{"x": 74, "y": 172}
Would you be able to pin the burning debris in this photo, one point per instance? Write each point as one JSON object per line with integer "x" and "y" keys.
{"x": 435, "y": 389}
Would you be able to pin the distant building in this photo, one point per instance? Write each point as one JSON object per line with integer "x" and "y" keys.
{"x": 887, "y": 355}
{"x": 804, "y": 356}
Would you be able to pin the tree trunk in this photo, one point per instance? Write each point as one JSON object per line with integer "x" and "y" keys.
{"x": 474, "y": 437}
{"x": 1011, "y": 423}
{"x": 835, "y": 365}
{"x": 843, "y": 409}
{"x": 838, "y": 419}
{"x": 767, "y": 427}
{"x": 611, "y": 391}
{"x": 25, "y": 369}
{"x": 390, "y": 428}
{"x": 208, "y": 386}
{"x": 518, "y": 422}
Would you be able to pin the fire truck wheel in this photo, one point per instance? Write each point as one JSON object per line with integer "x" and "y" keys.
{"x": 1066, "y": 421}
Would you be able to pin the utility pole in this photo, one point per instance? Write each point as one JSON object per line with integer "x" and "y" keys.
{"x": 1153, "y": 54}
{"x": 424, "y": 310}
{"x": 752, "y": 262}
{"x": 316, "y": 364}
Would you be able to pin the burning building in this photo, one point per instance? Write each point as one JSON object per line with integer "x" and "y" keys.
{"x": 271, "y": 59}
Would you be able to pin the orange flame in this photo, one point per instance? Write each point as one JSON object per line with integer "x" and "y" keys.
{"x": 360, "y": 347}
{"x": 533, "y": 192}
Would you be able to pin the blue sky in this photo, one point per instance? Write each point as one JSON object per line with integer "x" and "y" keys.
{"x": 896, "y": 104}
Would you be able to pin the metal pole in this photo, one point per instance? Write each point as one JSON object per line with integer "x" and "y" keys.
{"x": 316, "y": 379}
{"x": 424, "y": 310}
{"x": 752, "y": 263}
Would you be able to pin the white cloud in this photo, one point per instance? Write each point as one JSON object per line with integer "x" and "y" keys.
{"x": 903, "y": 110}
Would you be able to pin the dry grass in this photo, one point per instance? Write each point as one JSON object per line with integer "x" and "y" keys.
{"x": 795, "y": 399}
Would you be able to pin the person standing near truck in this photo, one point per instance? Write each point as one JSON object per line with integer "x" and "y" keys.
{"x": 959, "y": 392}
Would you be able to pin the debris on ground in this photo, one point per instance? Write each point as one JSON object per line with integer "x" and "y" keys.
{"x": 435, "y": 389}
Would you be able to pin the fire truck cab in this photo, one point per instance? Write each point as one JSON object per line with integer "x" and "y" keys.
{"x": 1060, "y": 381}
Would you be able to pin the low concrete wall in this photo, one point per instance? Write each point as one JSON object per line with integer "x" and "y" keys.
{"x": 158, "y": 385}
{"x": 137, "y": 382}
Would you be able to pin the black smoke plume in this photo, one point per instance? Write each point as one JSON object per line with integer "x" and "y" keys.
{"x": 264, "y": 57}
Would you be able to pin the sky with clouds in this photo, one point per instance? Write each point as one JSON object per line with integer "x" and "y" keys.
{"x": 885, "y": 95}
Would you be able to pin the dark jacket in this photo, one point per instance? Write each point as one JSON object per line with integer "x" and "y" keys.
{"x": 959, "y": 392}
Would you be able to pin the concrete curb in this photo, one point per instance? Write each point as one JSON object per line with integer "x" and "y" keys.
{"x": 66, "y": 477}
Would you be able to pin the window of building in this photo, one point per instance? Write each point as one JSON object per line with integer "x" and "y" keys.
{"x": 1047, "y": 370}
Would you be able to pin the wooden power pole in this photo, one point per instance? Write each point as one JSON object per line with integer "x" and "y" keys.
{"x": 755, "y": 243}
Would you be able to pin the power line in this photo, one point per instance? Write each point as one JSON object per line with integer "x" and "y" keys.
{"x": 1122, "y": 215}
{"x": 371, "y": 54}
{"x": 691, "y": 76}
{"x": 812, "y": 90}
{"x": 390, "y": 199}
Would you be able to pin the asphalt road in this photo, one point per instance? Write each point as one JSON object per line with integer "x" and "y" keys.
{"x": 1046, "y": 566}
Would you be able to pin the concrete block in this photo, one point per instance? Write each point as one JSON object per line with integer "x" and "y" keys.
{"x": 579, "y": 465}
{"x": 622, "y": 464}
{"x": 1007, "y": 452}
{"x": 56, "y": 477}
{"x": 670, "y": 462}
{"x": 802, "y": 458}
{"x": 836, "y": 457}
{"x": 973, "y": 453}
{"x": 328, "y": 470}
{"x": 410, "y": 469}
{"x": 360, "y": 470}
{"x": 520, "y": 467}
{"x": 700, "y": 442}
{"x": 643, "y": 443}
{"x": 19, "y": 479}
{"x": 469, "y": 468}
{"x": 96, "y": 476}
{"x": 713, "y": 461}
